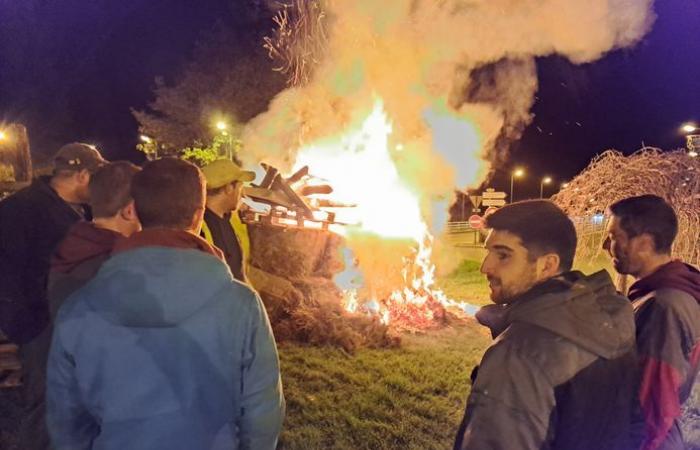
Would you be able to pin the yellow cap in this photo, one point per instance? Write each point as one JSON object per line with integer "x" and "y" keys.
{"x": 224, "y": 171}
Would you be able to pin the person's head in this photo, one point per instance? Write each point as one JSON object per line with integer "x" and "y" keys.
{"x": 529, "y": 242}
{"x": 110, "y": 196}
{"x": 640, "y": 229}
{"x": 225, "y": 182}
{"x": 73, "y": 165}
{"x": 169, "y": 193}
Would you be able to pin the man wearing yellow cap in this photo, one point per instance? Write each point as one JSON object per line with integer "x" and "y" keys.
{"x": 222, "y": 225}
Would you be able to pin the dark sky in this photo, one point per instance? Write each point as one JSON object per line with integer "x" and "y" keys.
{"x": 71, "y": 70}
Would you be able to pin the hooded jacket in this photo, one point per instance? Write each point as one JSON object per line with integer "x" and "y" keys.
{"x": 163, "y": 349}
{"x": 77, "y": 259}
{"x": 667, "y": 313}
{"x": 560, "y": 373}
{"x": 32, "y": 222}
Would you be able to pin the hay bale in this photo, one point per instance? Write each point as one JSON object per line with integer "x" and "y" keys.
{"x": 293, "y": 270}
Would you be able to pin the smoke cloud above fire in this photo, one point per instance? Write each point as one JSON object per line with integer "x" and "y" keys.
{"x": 457, "y": 77}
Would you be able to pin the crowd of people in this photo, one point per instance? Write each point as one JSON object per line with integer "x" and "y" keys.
{"x": 126, "y": 289}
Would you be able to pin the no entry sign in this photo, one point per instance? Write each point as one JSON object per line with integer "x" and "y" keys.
{"x": 476, "y": 222}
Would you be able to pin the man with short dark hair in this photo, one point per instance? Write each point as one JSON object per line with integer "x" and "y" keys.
{"x": 162, "y": 348}
{"x": 666, "y": 301}
{"x": 32, "y": 222}
{"x": 558, "y": 373}
{"x": 222, "y": 224}
{"x": 88, "y": 244}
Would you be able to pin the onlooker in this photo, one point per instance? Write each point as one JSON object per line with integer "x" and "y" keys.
{"x": 88, "y": 244}
{"x": 162, "y": 348}
{"x": 32, "y": 222}
{"x": 222, "y": 225}
{"x": 558, "y": 373}
{"x": 666, "y": 301}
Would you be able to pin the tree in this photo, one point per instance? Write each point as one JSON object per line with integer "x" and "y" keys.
{"x": 229, "y": 79}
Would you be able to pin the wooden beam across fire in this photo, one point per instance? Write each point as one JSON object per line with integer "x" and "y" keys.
{"x": 288, "y": 199}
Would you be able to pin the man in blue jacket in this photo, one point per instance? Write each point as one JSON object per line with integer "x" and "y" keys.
{"x": 163, "y": 349}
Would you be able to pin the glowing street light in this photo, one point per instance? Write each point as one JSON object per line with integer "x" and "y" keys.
{"x": 545, "y": 180}
{"x": 145, "y": 139}
{"x": 517, "y": 173}
{"x": 3, "y": 136}
{"x": 221, "y": 125}
{"x": 689, "y": 128}
{"x": 564, "y": 185}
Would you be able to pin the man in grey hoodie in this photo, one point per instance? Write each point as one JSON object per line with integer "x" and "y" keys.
{"x": 561, "y": 371}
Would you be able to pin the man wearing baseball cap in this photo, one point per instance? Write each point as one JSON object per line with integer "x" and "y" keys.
{"x": 32, "y": 222}
{"x": 222, "y": 225}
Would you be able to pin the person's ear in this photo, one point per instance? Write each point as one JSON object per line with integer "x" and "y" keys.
{"x": 197, "y": 220}
{"x": 548, "y": 265}
{"x": 83, "y": 176}
{"x": 128, "y": 212}
{"x": 645, "y": 243}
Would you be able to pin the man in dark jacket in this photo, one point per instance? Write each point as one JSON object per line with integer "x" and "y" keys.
{"x": 666, "y": 301}
{"x": 32, "y": 222}
{"x": 163, "y": 349}
{"x": 558, "y": 373}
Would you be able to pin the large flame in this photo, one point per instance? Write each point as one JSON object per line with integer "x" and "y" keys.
{"x": 360, "y": 165}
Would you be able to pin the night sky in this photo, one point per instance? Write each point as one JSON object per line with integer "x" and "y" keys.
{"x": 72, "y": 72}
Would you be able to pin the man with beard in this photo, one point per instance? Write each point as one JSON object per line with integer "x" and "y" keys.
{"x": 32, "y": 222}
{"x": 666, "y": 301}
{"x": 558, "y": 373}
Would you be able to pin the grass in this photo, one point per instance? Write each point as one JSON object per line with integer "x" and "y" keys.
{"x": 412, "y": 397}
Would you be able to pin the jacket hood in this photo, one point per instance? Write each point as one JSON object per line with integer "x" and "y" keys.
{"x": 673, "y": 275}
{"x": 585, "y": 310}
{"x": 159, "y": 286}
{"x": 84, "y": 241}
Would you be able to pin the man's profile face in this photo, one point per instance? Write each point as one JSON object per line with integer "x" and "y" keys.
{"x": 621, "y": 248}
{"x": 236, "y": 193}
{"x": 507, "y": 266}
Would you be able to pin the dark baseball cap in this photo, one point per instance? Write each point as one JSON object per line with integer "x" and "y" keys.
{"x": 78, "y": 156}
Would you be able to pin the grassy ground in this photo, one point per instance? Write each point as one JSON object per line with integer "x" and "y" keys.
{"x": 408, "y": 398}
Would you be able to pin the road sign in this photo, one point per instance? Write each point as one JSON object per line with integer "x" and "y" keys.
{"x": 476, "y": 200}
{"x": 491, "y": 194}
{"x": 494, "y": 202}
{"x": 476, "y": 222}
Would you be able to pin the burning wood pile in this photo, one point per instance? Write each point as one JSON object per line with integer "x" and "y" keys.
{"x": 294, "y": 260}
{"x": 299, "y": 259}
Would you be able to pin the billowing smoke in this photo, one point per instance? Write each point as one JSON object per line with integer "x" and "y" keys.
{"x": 456, "y": 78}
{"x": 472, "y": 60}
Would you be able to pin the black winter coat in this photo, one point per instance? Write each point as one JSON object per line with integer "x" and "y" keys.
{"x": 32, "y": 222}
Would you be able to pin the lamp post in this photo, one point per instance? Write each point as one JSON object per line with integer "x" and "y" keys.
{"x": 223, "y": 129}
{"x": 692, "y": 138}
{"x": 545, "y": 180}
{"x": 517, "y": 173}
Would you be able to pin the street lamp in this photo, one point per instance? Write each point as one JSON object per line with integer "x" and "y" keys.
{"x": 517, "y": 173}
{"x": 3, "y": 136}
{"x": 688, "y": 128}
{"x": 145, "y": 139}
{"x": 545, "y": 180}
{"x": 221, "y": 125}
{"x": 564, "y": 185}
